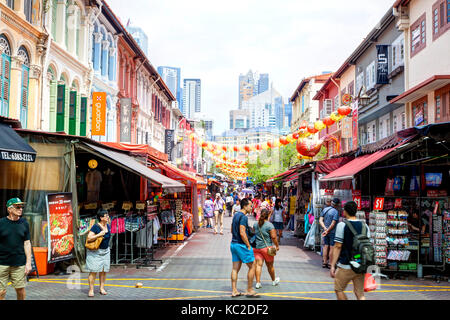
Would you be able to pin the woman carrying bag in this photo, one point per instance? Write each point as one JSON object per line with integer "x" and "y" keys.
{"x": 98, "y": 259}
{"x": 266, "y": 237}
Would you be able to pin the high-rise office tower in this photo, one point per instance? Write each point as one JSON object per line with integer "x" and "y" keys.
{"x": 141, "y": 38}
{"x": 263, "y": 83}
{"x": 246, "y": 87}
{"x": 171, "y": 77}
{"x": 191, "y": 97}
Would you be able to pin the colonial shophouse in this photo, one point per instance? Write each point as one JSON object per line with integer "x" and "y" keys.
{"x": 21, "y": 51}
{"x": 425, "y": 26}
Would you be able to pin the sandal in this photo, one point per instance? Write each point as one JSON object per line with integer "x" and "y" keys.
{"x": 253, "y": 295}
{"x": 103, "y": 293}
{"x": 90, "y": 295}
{"x": 238, "y": 295}
{"x": 324, "y": 265}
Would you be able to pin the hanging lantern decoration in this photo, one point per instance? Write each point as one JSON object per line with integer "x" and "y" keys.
{"x": 252, "y": 147}
{"x": 303, "y": 125}
{"x": 247, "y": 148}
{"x": 309, "y": 148}
{"x": 328, "y": 122}
{"x": 204, "y": 145}
{"x": 224, "y": 148}
{"x": 311, "y": 129}
{"x": 296, "y": 135}
{"x": 284, "y": 141}
{"x": 344, "y": 110}
{"x": 235, "y": 149}
{"x": 270, "y": 144}
{"x": 258, "y": 147}
{"x": 319, "y": 125}
{"x": 290, "y": 138}
{"x": 276, "y": 144}
{"x": 265, "y": 146}
{"x": 334, "y": 116}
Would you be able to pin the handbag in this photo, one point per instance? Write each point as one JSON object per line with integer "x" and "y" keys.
{"x": 94, "y": 245}
{"x": 271, "y": 251}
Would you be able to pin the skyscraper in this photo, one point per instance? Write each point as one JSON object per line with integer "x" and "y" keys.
{"x": 263, "y": 83}
{"x": 172, "y": 78}
{"x": 191, "y": 97}
{"x": 141, "y": 38}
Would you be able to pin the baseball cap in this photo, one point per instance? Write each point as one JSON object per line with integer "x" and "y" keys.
{"x": 336, "y": 201}
{"x": 14, "y": 201}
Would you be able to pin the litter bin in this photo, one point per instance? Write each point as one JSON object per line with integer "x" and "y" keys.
{"x": 43, "y": 267}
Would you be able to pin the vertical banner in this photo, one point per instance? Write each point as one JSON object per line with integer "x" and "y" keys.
{"x": 382, "y": 64}
{"x": 125, "y": 120}
{"x": 169, "y": 143}
{"x": 98, "y": 114}
{"x": 60, "y": 227}
{"x": 355, "y": 126}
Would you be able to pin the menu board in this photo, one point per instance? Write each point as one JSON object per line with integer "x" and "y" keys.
{"x": 60, "y": 227}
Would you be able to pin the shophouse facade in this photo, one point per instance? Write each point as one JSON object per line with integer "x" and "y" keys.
{"x": 425, "y": 26}
{"x": 22, "y": 47}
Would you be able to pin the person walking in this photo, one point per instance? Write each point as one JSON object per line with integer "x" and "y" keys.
{"x": 241, "y": 250}
{"x": 278, "y": 220}
{"x": 266, "y": 237}
{"x": 236, "y": 208}
{"x": 229, "y": 204}
{"x": 208, "y": 211}
{"x": 219, "y": 206}
{"x": 328, "y": 221}
{"x": 15, "y": 250}
{"x": 342, "y": 254}
{"x": 99, "y": 261}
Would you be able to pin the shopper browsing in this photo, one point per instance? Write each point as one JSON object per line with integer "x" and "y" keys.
{"x": 278, "y": 218}
{"x": 328, "y": 221}
{"x": 219, "y": 207}
{"x": 241, "y": 250}
{"x": 266, "y": 241}
{"x": 229, "y": 203}
{"x": 15, "y": 249}
{"x": 342, "y": 254}
{"x": 236, "y": 208}
{"x": 208, "y": 211}
{"x": 99, "y": 261}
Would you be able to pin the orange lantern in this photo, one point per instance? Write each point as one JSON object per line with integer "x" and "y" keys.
{"x": 247, "y": 148}
{"x": 284, "y": 141}
{"x": 311, "y": 129}
{"x": 295, "y": 135}
{"x": 235, "y": 149}
{"x": 309, "y": 148}
{"x": 328, "y": 121}
{"x": 344, "y": 110}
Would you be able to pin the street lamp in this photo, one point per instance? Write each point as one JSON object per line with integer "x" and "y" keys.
{"x": 364, "y": 99}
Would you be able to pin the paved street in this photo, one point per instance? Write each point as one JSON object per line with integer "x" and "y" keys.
{"x": 200, "y": 269}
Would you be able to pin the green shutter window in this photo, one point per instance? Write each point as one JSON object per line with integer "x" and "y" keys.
{"x": 83, "y": 110}
{"x": 61, "y": 100}
{"x": 4, "y": 81}
{"x": 24, "y": 97}
{"x": 54, "y": 14}
{"x": 72, "y": 113}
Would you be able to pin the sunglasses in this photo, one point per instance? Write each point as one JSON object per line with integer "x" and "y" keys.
{"x": 18, "y": 207}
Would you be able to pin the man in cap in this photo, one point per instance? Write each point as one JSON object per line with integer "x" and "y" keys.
{"x": 15, "y": 249}
{"x": 328, "y": 221}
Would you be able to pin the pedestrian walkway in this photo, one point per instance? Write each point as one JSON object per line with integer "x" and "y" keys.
{"x": 201, "y": 268}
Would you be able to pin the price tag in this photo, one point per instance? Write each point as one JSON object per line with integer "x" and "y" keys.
{"x": 127, "y": 205}
{"x": 398, "y": 203}
{"x": 357, "y": 199}
{"x": 140, "y": 205}
{"x": 378, "y": 204}
{"x": 90, "y": 206}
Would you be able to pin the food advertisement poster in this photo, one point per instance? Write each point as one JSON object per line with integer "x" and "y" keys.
{"x": 60, "y": 227}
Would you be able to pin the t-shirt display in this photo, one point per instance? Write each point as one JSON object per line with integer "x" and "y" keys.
{"x": 13, "y": 234}
{"x": 93, "y": 181}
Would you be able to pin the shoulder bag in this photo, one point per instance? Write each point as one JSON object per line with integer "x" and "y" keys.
{"x": 94, "y": 245}
{"x": 271, "y": 251}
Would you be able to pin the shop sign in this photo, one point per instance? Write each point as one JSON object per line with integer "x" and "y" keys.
{"x": 127, "y": 205}
{"x": 382, "y": 64}
{"x": 125, "y": 120}
{"x": 140, "y": 205}
{"x": 329, "y": 192}
{"x": 398, "y": 203}
{"x": 378, "y": 204}
{"x": 355, "y": 127}
{"x": 169, "y": 143}
{"x": 98, "y": 114}
{"x": 17, "y": 156}
{"x": 418, "y": 118}
{"x": 436, "y": 193}
{"x": 356, "y": 192}
{"x": 60, "y": 227}
{"x": 357, "y": 200}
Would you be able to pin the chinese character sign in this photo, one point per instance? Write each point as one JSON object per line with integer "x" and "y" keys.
{"x": 382, "y": 64}
{"x": 125, "y": 120}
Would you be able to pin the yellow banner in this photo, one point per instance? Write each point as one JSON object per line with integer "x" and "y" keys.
{"x": 98, "y": 113}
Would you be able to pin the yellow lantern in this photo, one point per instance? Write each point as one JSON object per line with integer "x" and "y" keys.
{"x": 93, "y": 164}
{"x": 276, "y": 143}
{"x": 334, "y": 116}
{"x": 319, "y": 125}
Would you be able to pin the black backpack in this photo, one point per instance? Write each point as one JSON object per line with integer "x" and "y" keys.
{"x": 362, "y": 254}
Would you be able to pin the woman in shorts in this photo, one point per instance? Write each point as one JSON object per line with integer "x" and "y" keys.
{"x": 277, "y": 218}
{"x": 266, "y": 237}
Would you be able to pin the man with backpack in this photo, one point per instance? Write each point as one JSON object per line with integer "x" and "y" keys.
{"x": 354, "y": 251}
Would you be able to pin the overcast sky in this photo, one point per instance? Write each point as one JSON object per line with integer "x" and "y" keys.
{"x": 217, "y": 40}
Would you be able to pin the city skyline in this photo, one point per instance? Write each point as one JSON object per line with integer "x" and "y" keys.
{"x": 218, "y": 61}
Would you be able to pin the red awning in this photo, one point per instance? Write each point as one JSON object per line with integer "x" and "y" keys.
{"x": 142, "y": 149}
{"x": 281, "y": 175}
{"x": 348, "y": 171}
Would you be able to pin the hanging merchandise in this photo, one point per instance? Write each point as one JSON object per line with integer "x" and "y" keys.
{"x": 446, "y": 231}
{"x": 377, "y": 225}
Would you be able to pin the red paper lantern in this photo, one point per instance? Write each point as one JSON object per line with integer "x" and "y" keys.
{"x": 328, "y": 121}
{"x": 303, "y": 125}
{"x": 309, "y": 148}
{"x": 284, "y": 141}
{"x": 295, "y": 135}
{"x": 204, "y": 144}
{"x": 344, "y": 110}
{"x": 224, "y": 148}
{"x": 270, "y": 144}
{"x": 235, "y": 149}
{"x": 312, "y": 129}
{"x": 258, "y": 147}
{"x": 247, "y": 148}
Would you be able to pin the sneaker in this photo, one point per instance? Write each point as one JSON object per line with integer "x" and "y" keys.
{"x": 258, "y": 285}
{"x": 276, "y": 282}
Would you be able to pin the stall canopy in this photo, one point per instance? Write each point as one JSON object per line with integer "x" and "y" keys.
{"x": 13, "y": 147}
{"x": 281, "y": 175}
{"x": 128, "y": 163}
{"x": 348, "y": 171}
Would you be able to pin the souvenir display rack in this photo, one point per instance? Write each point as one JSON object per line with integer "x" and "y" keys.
{"x": 377, "y": 225}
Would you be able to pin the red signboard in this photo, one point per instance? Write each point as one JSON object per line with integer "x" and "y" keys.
{"x": 355, "y": 126}
{"x": 60, "y": 227}
{"x": 356, "y": 192}
{"x": 329, "y": 192}
{"x": 357, "y": 199}
{"x": 378, "y": 204}
{"x": 398, "y": 203}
